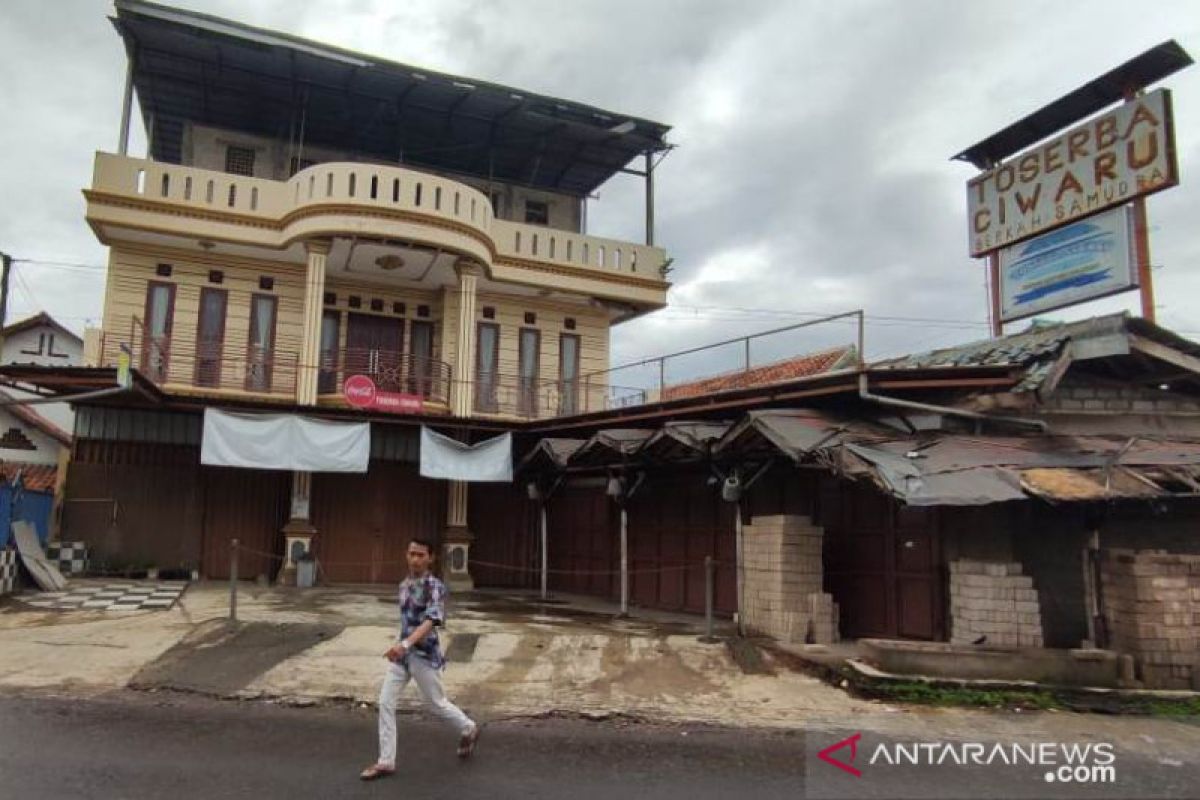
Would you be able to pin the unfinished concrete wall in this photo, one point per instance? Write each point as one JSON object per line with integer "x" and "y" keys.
{"x": 783, "y": 580}
{"x": 996, "y": 601}
{"x": 1151, "y": 602}
{"x": 1079, "y": 392}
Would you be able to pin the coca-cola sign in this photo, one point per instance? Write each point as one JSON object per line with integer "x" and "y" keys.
{"x": 361, "y": 392}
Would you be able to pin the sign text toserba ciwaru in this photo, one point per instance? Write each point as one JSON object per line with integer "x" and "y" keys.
{"x": 1103, "y": 162}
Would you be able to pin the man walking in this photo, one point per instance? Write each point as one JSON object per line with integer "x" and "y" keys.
{"x": 417, "y": 655}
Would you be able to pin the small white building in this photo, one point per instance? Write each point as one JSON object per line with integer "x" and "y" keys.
{"x": 36, "y": 434}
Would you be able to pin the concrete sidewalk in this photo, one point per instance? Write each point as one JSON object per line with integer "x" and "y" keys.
{"x": 509, "y": 656}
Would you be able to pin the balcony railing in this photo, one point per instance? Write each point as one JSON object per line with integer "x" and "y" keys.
{"x": 337, "y": 185}
{"x": 529, "y": 398}
{"x": 401, "y": 373}
{"x": 231, "y": 364}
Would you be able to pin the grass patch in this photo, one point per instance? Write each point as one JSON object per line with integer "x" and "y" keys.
{"x": 943, "y": 695}
{"x": 934, "y": 695}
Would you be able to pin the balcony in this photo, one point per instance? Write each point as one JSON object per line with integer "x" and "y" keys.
{"x": 364, "y": 200}
{"x": 230, "y": 367}
{"x": 238, "y": 367}
{"x": 527, "y": 398}
{"x": 391, "y": 372}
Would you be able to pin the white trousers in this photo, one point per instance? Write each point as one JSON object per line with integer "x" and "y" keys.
{"x": 429, "y": 682}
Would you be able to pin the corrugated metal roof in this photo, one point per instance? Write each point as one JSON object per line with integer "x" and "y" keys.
{"x": 1035, "y": 351}
{"x": 197, "y": 67}
{"x": 1139, "y": 72}
{"x": 549, "y": 454}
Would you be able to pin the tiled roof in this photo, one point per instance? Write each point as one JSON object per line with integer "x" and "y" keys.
{"x": 36, "y": 477}
{"x": 778, "y": 372}
{"x": 29, "y": 416}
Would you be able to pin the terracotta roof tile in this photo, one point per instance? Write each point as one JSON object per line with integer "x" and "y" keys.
{"x": 777, "y": 372}
{"x": 36, "y": 477}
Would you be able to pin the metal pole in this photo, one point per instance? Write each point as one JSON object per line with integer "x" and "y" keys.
{"x": 994, "y": 277}
{"x": 126, "y": 109}
{"x": 741, "y": 569}
{"x": 624, "y": 561}
{"x": 545, "y": 538}
{"x": 5, "y": 270}
{"x": 709, "y": 570}
{"x": 649, "y": 200}
{"x": 1141, "y": 243}
{"x": 747, "y": 354}
{"x": 233, "y": 577}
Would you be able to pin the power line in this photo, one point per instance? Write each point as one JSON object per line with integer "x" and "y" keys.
{"x": 95, "y": 270}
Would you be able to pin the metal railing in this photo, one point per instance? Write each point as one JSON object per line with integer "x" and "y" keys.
{"x": 390, "y": 371}
{"x": 744, "y": 361}
{"x": 531, "y": 398}
{"x": 231, "y": 364}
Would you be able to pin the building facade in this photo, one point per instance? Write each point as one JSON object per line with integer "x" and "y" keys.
{"x": 324, "y": 232}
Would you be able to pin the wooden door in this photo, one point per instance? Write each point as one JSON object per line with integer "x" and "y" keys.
{"x": 882, "y": 563}
{"x": 366, "y": 521}
{"x": 210, "y": 336}
{"x": 260, "y": 352}
{"x": 375, "y": 348}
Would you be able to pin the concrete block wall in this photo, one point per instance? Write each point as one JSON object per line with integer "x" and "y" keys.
{"x": 1076, "y": 394}
{"x": 1151, "y": 607}
{"x": 784, "y": 580}
{"x": 995, "y": 600}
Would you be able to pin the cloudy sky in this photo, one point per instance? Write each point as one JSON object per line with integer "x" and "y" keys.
{"x": 812, "y": 172}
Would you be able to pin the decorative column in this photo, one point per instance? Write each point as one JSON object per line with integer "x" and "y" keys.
{"x": 462, "y": 400}
{"x": 298, "y": 533}
{"x": 309, "y": 367}
{"x": 456, "y": 542}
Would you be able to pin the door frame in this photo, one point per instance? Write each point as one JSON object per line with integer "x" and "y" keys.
{"x": 220, "y": 341}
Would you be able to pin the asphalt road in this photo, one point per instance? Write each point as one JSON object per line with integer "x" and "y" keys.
{"x": 150, "y": 745}
{"x": 135, "y": 745}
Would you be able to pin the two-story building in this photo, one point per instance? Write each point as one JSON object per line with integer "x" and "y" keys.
{"x": 306, "y": 216}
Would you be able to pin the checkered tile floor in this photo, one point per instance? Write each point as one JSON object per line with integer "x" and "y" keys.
{"x": 108, "y": 596}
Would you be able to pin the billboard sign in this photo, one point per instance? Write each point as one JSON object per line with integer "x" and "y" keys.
{"x": 1104, "y": 162}
{"x": 1082, "y": 261}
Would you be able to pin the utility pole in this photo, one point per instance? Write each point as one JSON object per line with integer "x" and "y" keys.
{"x": 4, "y": 273}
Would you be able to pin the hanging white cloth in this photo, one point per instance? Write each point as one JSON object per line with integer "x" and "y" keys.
{"x": 284, "y": 441}
{"x": 487, "y": 461}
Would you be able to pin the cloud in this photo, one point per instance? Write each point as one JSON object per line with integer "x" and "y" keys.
{"x": 811, "y": 173}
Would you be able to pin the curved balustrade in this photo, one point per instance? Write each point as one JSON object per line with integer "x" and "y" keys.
{"x": 294, "y": 208}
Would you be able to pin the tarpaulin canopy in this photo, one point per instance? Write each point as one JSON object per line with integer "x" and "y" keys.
{"x": 284, "y": 441}
{"x": 486, "y": 461}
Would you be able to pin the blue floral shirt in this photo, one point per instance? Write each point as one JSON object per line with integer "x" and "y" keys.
{"x": 421, "y": 599}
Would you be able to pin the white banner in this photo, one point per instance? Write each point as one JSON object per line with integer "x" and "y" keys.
{"x": 487, "y": 461}
{"x": 1106, "y": 161}
{"x": 1085, "y": 260}
{"x": 284, "y": 441}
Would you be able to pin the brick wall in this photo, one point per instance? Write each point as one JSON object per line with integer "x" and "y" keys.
{"x": 783, "y": 580}
{"x": 1151, "y": 606}
{"x": 995, "y": 600}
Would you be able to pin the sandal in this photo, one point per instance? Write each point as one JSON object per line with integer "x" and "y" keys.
{"x": 466, "y": 742}
{"x": 376, "y": 771}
